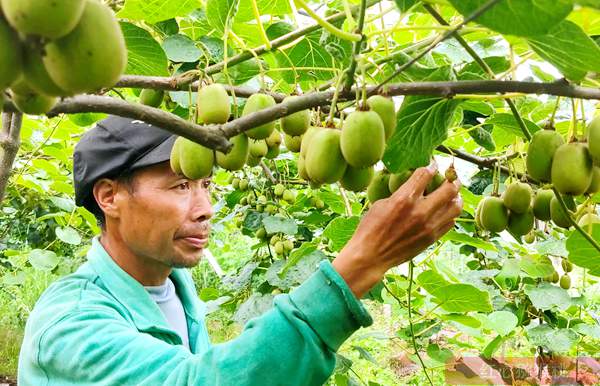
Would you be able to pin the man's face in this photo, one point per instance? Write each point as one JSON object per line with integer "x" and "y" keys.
{"x": 167, "y": 217}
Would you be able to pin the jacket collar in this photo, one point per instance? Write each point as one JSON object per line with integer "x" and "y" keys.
{"x": 133, "y": 296}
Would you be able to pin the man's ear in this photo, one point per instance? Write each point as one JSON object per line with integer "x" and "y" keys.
{"x": 106, "y": 194}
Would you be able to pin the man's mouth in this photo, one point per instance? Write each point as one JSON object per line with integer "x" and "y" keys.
{"x": 196, "y": 241}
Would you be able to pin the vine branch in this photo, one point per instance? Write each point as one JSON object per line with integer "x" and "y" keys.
{"x": 10, "y": 141}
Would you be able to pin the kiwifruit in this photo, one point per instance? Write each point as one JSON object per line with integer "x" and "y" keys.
{"x": 258, "y": 148}
{"x": 493, "y": 214}
{"x": 11, "y": 60}
{"x": 379, "y": 186}
{"x": 398, "y": 179}
{"x": 252, "y": 160}
{"x": 151, "y": 97}
{"x": 274, "y": 139}
{"x": 176, "y": 156}
{"x": 288, "y": 196}
{"x": 292, "y": 143}
{"x": 92, "y": 56}
{"x": 324, "y": 160}
{"x": 297, "y": 123}
{"x": 34, "y": 71}
{"x": 357, "y": 179}
{"x": 572, "y": 168}
{"x": 558, "y": 215}
{"x": 50, "y": 19}
{"x": 254, "y": 103}
{"x": 288, "y": 245}
{"x": 541, "y": 204}
{"x": 196, "y": 161}
{"x": 384, "y": 107}
{"x": 565, "y": 281}
{"x": 244, "y": 185}
{"x": 595, "y": 184}
{"x": 30, "y": 102}
{"x": 278, "y": 190}
{"x": 567, "y": 266}
{"x": 363, "y": 139}
{"x": 213, "y": 104}
{"x": 544, "y": 144}
{"x": 529, "y": 238}
{"x": 307, "y": 138}
{"x": 593, "y": 138}
{"x": 237, "y": 157}
{"x": 517, "y": 197}
{"x": 272, "y": 152}
{"x": 520, "y": 224}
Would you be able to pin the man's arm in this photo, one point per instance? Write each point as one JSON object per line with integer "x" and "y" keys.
{"x": 397, "y": 229}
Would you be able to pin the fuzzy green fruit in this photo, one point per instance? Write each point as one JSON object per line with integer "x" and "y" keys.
{"x": 398, "y": 179}
{"x": 279, "y": 248}
{"x": 272, "y": 153}
{"x": 288, "y": 196}
{"x": 176, "y": 156}
{"x": 257, "y": 102}
{"x": 363, "y": 139}
{"x": 302, "y": 169}
{"x": 213, "y": 104}
{"x": 593, "y": 137}
{"x": 565, "y": 281}
{"x": 258, "y": 148}
{"x": 379, "y": 186}
{"x": 244, "y": 186}
{"x": 307, "y": 139}
{"x": 384, "y": 107}
{"x": 252, "y": 160}
{"x": 567, "y": 266}
{"x": 324, "y": 160}
{"x": 36, "y": 74}
{"x": 517, "y": 197}
{"x": 292, "y": 143}
{"x": 30, "y": 102}
{"x": 529, "y": 238}
{"x": 588, "y": 219}
{"x": 357, "y": 180}
{"x": 595, "y": 184}
{"x": 152, "y": 98}
{"x": 11, "y": 61}
{"x": 493, "y": 214}
{"x": 196, "y": 160}
{"x": 278, "y": 190}
{"x": 51, "y": 19}
{"x": 478, "y": 215}
{"x": 288, "y": 245}
{"x": 92, "y": 56}
{"x": 558, "y": 215}
{"x": 274, "y": 140}
{"x": 437, "y": 181}
{"x": 541, "y": 204}
{"x": 296, "y": 123}
{"x": 544, "y": 144}
{"x": 572, "y": 169}
{"x": 520, "y": 224}
{"x": 237, "y": 157}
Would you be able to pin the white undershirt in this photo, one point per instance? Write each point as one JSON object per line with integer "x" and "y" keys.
{"x": 169, "y": 303}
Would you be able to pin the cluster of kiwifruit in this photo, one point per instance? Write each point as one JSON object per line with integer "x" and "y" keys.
{"x": 328, "y": 155}
{"x": 258, "y": 201}
{"x": 57, "y": 48}
{"x": 213, "y": 103}
{"x": 572, "y": 168}
{"x": 565, "y": 280}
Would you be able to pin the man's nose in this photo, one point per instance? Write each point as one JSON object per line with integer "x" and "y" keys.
{"x": 202, "y": 206}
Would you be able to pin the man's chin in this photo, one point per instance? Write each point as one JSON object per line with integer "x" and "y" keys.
{"x": 187, "y": 261}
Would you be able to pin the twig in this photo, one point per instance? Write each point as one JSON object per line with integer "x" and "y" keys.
{"x": 357, "y": 46}
{"x": 267, "y": 172}
{"x": 10, "y": 141}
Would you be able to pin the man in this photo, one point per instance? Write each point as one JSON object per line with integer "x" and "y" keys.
{"x": 131, "y": 316}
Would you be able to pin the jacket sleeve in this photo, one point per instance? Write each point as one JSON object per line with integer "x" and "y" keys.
{"x": 294, "y": 343}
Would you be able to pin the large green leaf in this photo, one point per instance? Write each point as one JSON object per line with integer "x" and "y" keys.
{"x": 536, "y": 266}
{"x": 219, "y": 12}
{"x": 431, "y": 280}
{"x": 180, "y": 48}
{"x": 546, "y": 296}
{"x": 276, "y": 224}
{"x": 340, "y": 231}
{"x": 568, "y": 48}
{"x": 582, "y": 253}
{"x": 68, "y": 235}
{"x": 508, "y": 122}
{"x": 265, "y": 7}
{"x": 43, "y": 260}
{"x": 157, "y": 10}
{"x": 555, "y": 340}
{"x": 462, "y": 298}
{"x": 503, "y": 322}
{"x": 518, "y": 17}
{"x": 465, "y": 239}
{"x": 144, "y": 55}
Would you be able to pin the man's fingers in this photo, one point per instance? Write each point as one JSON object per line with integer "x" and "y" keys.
{"x": 442, "y": 196}
{"x": 417, "y": 183}
{"x": 444, "y": 229}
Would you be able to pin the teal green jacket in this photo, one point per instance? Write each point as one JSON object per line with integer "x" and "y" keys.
{"x": 99, "y": 326}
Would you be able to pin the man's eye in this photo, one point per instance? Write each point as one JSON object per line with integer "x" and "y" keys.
{"x": 184, "y": 185}
{"x": 206, "y": 184}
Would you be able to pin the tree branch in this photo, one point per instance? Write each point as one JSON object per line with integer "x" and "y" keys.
{"x": 10, "y": 141}
{"x": 357, "y": 46}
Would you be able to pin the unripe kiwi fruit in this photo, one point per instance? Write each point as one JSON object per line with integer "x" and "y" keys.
{"x": 152, "y": 98}
{"x": 244, "y": 186}
{"x": 11, "y": 60}
{"x": 558, "y": 215}
{"x": 593, "y": 138}
{"x": 237, "y": 157}
{"x": 529, "y": 238}
{"x": 50, "y": 19}
{"x": 296, "y": 123}
{"x": 289, "y": 196}
{"x": 565, "y": 281}
{"x": 272, "y": 153}
{"x": 292, "y": 143}
{"x": 398, "y": 179}
{"x": 30, "y": 102}
{"x": 254, "y": 103}
{"x": 175, "y": 159}
{"x": 279, "y": 248}
{"x": 307, "y": 139}
{"x": 544, "y": 144}
{"x": 386, "y": 110}
{"x": 363, "y": 139}
{"x": 213, "y": 104}
{"x": 379, "y": 186}
{"x": 252, "y": 160}
{"x": 196, "y": 161}
{"x": 302, "y": 169}
{"x": 357, "y": 179}
{"x": 595, "y": 184}
{"x": 541, "y": 204}
{"x": 572, "y": 169}
{"x": 288, "y": 245}
{"x": 493, "y": 214}
{"x": 520, "y": 224}
{"x": 274, "y": 140}
{"x": 258, "y": 147}
{"x": 517, "y": 197}
{"x": 324, "y": 160}
{"x": 36, "y": 74}
{"x": 278, "y": 190}
{"x": 567, "y": 266}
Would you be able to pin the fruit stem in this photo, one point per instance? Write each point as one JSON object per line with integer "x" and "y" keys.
{"x": 573, "y": 129}
{"x": 328, "y": 26}
{"x": 261, "y": 29}
{"x": 579, "y": 229}
{"x": 551, "y": 120}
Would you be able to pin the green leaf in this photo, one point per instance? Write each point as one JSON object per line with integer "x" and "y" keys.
{"x": 568, "y": 48}
{"x": 438, "y": 353}
{"x": 43, "y": 260}
{"x": 431, "y": 280}
{"x": 503, "y": 322}
{"x": 144, "y": 56}
{"x": 463, "y": 238}
{"x": 589, "y": 3}
{"x": 218, "y": 13}
{"x": 592, "y": 331}
{"x": 516, "y": 17}
{"x": 466, "y": 320}
{"x": 582, "y": 253}
{"x": 536, "y": 266}
{"x": 265, "y": 7}
{"x": 404, "y": 5}
{"x": 256, "y": 305}
{"x": 462, "y": 298}
{"x": 508, "y": 122}
{"x": 509, "y": 275}
{"x": 493, "y": 346}
{"x": 276, "y": 224}
{"x": 68, "y": 235}
{"x": 157, "y": 10}
{"x": 180, "y": 48}
{"x": 340, "y": 231}
{"x": 333, "y": 200}
{"x": 559, "y": 340}
{"x": 548, "y": 297}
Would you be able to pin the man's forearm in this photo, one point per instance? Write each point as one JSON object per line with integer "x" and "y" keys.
{"x": 359, "y": 277}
